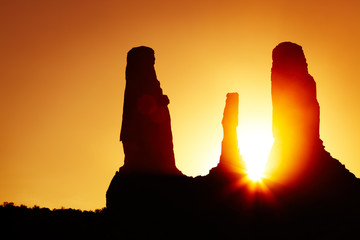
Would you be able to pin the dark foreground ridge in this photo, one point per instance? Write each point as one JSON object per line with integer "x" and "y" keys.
{"x": 310, "y": 194}
{"x": 22, "y": 222}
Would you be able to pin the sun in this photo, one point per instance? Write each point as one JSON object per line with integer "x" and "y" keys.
{"x": 255, "y": 143}
{"x": 254, "y": 173}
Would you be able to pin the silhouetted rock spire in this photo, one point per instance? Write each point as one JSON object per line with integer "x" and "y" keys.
{"x": 145, "y": 133}
{"x": 146, "y": 130}
{"x": 230, "y": 159}
{"x": 298, "y": 155}
{"x": 296, "y": 114}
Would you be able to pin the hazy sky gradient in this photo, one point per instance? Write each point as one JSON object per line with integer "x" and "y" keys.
{"x": 62, "y": 74}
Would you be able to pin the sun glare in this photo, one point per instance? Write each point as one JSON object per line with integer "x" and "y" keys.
{"x": 255, "y": 144}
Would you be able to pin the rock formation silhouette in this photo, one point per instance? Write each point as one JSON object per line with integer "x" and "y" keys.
{"x": 230, "y": 159}
{"x": 296, "y": 114}
{"x": 307, "y": 191}
{"x": 146, "y": 130}
{"x": 298, "y": 156}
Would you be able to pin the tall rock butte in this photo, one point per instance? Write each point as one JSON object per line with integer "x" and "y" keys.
{"x": 146, "y": 130}
{"x": 298, "y": 154}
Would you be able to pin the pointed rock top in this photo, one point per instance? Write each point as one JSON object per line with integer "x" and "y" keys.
{"x": 230, "y": 117}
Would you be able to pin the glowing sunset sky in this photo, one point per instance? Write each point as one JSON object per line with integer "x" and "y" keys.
{"x": 62, "y": 76}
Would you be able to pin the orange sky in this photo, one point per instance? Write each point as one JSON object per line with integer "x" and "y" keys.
{"x": 62, "y": 75}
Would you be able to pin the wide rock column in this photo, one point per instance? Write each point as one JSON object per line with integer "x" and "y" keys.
{"x": 296, "y": 114}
